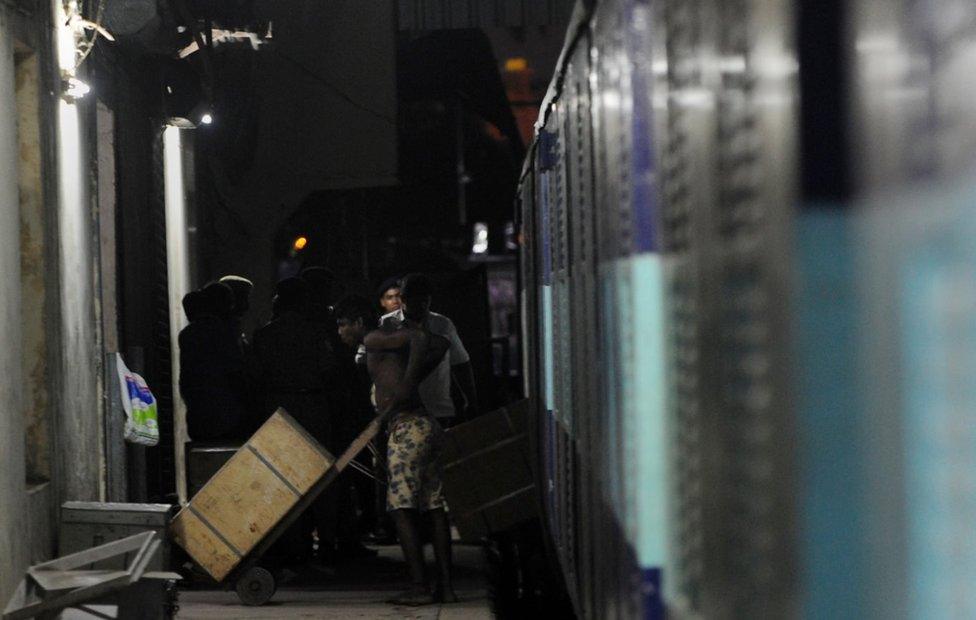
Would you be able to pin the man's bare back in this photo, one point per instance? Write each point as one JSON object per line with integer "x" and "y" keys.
{"x": 398, "y": 359}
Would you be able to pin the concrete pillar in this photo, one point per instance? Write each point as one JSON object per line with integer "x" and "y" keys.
{"x": 13, "y": 495}
{"x": 178, "y": 284}
{"x": 77, "y": 414}
{"x": 77, "y": 417}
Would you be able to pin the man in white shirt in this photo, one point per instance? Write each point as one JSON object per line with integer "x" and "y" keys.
{"x": 389, "y": 295}
{"x": 416, "y": 291}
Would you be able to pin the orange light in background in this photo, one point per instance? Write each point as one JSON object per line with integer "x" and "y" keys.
{"x": 524, "y": 95}
{"x": 300, "y": 244}
{"x": 493, "y": 132}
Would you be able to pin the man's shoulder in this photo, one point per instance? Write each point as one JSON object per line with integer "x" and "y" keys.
{"x": 392, "y": 317}
{"x": 291, "y": 321}
{"x": 387, "y": 327}
{"x": 197, "y": 332}
{"x": 268, "y": 328}
{"x": 274, "y": 330}
{"x": 381, "y": 334}
{"x": 186, "y": 334}
{"x": 439, "y": 324}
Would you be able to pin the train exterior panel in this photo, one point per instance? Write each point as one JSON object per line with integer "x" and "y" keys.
{"x": 655, "y": 209}
{"x": 748, "y": 269}
{"x": 886, "y": 264}
{"x": 596, "y": 274}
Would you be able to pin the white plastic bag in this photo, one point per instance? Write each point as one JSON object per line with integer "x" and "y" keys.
{"x": 141, "y": 420}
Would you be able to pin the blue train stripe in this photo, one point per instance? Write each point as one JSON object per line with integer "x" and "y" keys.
{"x": 644, "y": 194}
{"x": 652, "y": 602}
{"x": 830, "y": 419}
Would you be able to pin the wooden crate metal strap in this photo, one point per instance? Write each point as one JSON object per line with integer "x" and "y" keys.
{"x": 496, "y": 501}
{"x": 486, "y": 450}
{"x": 306, "y": 500}
{"x": 274, "y": 470}
{"x": 214, "y": 530}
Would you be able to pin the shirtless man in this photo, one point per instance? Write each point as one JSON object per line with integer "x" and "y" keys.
{"x": 398, "y": 358}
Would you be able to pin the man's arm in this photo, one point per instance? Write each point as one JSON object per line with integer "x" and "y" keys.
{"x": 386, "y": 338}
{"x": 461, "y": 371}
{"x": 406, "y": 386}
{"x": 389, "y": 339}
{"x": 464, "y": 376}
{"x": 417, "y": 363}
{"x": 426, "y": 352}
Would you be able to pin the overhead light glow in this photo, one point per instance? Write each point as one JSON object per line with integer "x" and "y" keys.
{"x": 66, "y": 37}
{"x": 480, "y": 245}
{"x": 75, "y": 89}
{"x": 206, "y": 119}
{"x": 300, "y": 244}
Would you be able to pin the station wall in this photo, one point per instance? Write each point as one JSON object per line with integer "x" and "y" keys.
{"x": 13, "y": 509}
{"x": 51, "y": 396}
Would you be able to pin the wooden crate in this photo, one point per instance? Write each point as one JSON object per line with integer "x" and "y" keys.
{"x": 493, "y": 450}
{"x": 250, "y": 495}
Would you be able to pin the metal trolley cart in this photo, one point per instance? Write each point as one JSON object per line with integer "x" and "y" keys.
{"x": 249, "y": 503}
{"x": 110, "y": 578}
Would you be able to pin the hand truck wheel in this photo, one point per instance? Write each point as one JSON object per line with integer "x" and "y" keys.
{"x": 256, "y": 586}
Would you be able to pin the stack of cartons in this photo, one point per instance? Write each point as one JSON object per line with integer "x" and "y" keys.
{"x": 488, "y": 481}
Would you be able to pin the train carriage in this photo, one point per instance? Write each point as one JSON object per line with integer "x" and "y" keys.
{"x": 652, "y": 208}
{"x": 747, "y": 273}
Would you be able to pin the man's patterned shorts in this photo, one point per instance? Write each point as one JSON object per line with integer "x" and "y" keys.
{"x": 413, "y": 462}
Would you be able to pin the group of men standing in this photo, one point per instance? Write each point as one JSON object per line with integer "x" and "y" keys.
{"x": 333, "y": 368}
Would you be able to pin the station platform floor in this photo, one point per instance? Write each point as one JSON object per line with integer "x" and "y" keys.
{"x": 358, "y": 589}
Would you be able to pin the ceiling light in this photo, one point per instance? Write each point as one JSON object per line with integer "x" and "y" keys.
{"x": 480, "y": 245}
{"x": 73, "y": 88}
